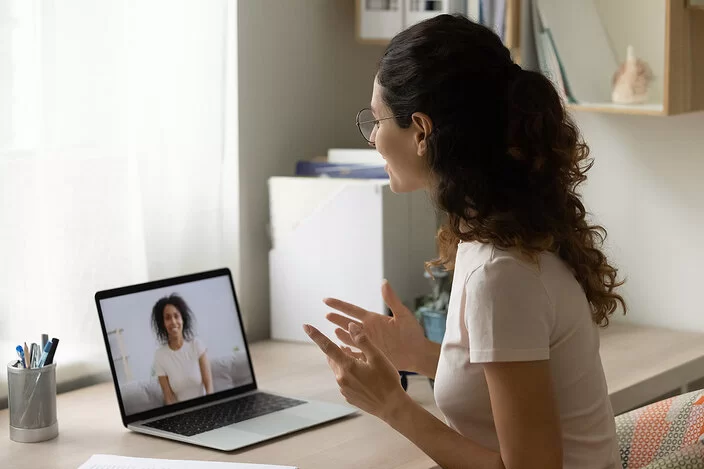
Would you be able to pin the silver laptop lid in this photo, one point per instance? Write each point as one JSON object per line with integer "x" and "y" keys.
{"x": 174, "y": 344}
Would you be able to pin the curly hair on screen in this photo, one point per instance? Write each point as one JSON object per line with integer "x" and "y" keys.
{"x": 505, "y": 158}
{"x": 180, "y": 304}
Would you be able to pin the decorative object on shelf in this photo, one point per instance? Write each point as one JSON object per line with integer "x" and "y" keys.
{"x": 632, "y": 80}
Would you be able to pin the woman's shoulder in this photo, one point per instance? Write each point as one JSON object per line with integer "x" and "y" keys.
{"x": 161, "y": 350}
{"x": 474, "y": 256}
{"x": 487, "y": 261}
{"x": 196, "y": 346}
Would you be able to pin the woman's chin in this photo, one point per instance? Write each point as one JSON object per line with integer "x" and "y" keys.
{"x": 398, "y": 187}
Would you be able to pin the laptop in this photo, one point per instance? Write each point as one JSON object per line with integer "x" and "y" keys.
{"x": 182, "y": 370}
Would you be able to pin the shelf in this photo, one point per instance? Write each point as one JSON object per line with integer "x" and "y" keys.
{"x": 612, "y": 108}
{"x": 667, "y": 34}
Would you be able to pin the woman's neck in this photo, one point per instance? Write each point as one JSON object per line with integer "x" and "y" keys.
{"x": 175, "y": 343}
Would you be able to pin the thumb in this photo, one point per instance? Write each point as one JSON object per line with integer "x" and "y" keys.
{"x": 392, "y": 300}
{"x": 361, "y": 340}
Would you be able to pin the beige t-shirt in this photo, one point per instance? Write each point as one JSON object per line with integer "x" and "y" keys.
{"x": 182, "y": 367}
{"x": 503, "y": 308}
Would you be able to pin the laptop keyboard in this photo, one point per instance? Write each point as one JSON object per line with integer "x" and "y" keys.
{"x": 220, "y": 415}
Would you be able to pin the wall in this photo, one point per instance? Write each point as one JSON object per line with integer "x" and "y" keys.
{"x": 646, "y": 189}
{"x": 302, "y": 79}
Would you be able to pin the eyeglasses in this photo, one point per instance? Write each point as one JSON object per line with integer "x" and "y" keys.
{"x": 367, "y": 124}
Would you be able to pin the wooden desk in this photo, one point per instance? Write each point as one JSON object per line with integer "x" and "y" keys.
{"x": 641, "y": 363}
{"x": 89, "y": 423}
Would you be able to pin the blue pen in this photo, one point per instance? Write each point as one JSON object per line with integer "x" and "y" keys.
{"x": 45, "y": 353}
{"x": 20, "y": 352}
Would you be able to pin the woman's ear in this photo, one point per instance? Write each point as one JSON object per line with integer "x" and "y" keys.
{"x": 422, "y": 126}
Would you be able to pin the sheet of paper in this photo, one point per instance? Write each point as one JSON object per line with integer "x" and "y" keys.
{"x": 107, "y": 461}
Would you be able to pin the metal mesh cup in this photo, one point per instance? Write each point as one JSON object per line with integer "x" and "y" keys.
{"x": 32, "y": 403}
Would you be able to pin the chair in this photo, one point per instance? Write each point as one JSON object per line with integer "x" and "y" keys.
{"x": 663, "y": 435}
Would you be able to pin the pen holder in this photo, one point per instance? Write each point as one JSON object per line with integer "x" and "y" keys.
{"x": 32, "y": 403}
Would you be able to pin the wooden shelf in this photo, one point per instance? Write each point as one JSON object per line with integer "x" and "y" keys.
{"x": 612, "y": 108}
{"x": 683, "y": 64}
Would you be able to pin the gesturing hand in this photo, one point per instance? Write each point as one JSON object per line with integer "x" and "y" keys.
{"x": 367, "y": 380}
{"x": 399, "y": 337}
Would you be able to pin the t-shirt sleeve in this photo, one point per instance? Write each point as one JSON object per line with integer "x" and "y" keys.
{"x": 199, "y": 347}
{"x": 158, "y": 364}
{"x": 508, "y": 313}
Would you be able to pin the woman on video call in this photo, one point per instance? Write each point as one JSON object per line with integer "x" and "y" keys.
{"x": 181, "y": 362}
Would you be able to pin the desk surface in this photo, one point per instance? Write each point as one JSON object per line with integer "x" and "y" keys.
{"x": 640, "y": 363}
{"x": 89, "y": 423}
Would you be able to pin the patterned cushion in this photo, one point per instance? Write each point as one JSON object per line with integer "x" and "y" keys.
{"x": 689, "y": 457}
{"x": 651, "y": 433}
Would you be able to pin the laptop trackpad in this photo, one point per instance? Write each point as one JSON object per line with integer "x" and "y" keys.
{"x": 275, "y": 423}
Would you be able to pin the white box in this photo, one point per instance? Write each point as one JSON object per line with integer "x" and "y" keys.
{"x": 340, "y": 238}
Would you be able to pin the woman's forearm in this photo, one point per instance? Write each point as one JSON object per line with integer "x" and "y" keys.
{"x": 428, "y": 358}
{"x": 444, "y": 445}
{"x": 169, "y": 395}
{"x": 206, "y": 374}
{"x": 169, "y": 398}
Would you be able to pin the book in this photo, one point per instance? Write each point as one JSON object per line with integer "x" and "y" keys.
{"x": 581, "y": 44}
{"x": 548, "y": 59}
{"x": 340, "y": 170}
{"x": 355, "y": 156}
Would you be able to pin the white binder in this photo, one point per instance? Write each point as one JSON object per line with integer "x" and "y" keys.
{"x": 340, "y": 238}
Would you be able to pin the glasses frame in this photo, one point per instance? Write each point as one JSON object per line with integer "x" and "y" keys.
{"x": 376, "y": 123}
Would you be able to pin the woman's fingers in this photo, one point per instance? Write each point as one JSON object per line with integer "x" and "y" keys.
{"x": 392, "y": 300}
{"x": 328, "y": 347}
{"x": 340, "y": 320}
{"x": 344, "y": 336}
{"x": 353, "y": 354}
{"x": 347, "y": 308}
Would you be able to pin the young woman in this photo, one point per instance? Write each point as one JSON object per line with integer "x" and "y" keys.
{"x": 518, "y": 376}
{"x": 181, "y": 363}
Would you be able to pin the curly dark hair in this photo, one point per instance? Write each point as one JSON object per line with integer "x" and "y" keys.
{"x": 158, "y": 318}
{"x": 504, "y": 157}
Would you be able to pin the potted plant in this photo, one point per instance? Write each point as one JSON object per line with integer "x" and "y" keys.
{"x": 431, "y": 309}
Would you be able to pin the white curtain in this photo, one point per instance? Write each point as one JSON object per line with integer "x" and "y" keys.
{"x": 117, "y": 139}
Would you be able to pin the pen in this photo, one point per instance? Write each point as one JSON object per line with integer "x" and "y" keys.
{"x": 36, "y": 354}
{"x": 20, "y": 353}
{"x": 26, "y": 355}
{"x": 45, "y": 339}
{"x": 45, "y": 353}
{"x": 52, "y": 351}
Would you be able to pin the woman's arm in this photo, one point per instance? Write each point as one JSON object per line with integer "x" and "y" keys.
{"x": 169, "y": 395}
{"x": 522, "y": 403}
{"x": 206, "y": 373}
{"x": 525, "y": 417}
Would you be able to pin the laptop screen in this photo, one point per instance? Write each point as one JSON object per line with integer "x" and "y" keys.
{"x": 175, "y": 343}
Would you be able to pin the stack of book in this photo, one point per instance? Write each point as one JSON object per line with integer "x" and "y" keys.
{"x": 345, "y": 163}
